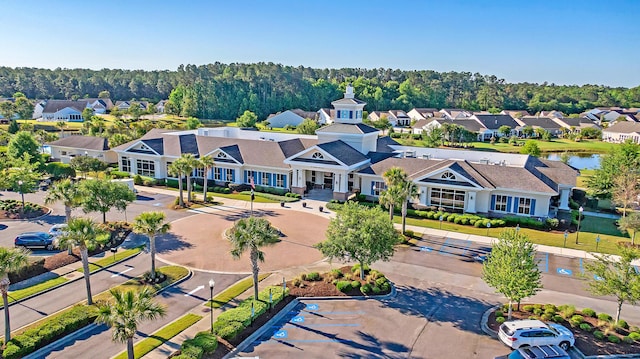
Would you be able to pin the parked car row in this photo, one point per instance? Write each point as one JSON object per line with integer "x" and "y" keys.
{"x": 535, "y": 339}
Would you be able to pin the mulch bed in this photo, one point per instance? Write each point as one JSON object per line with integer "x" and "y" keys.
{"x": 27, "y": 215}
{"x": 47, "y": 264}
{"x": 585, "y": 341}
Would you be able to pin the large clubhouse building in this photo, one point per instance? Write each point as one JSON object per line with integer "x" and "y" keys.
{"x": 349, "y": 157}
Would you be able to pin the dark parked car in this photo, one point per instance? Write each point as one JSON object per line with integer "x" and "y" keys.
{"x": 35, "y": 239}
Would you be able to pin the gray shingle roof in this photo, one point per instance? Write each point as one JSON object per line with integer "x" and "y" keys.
{"x": 155, "y": 144}
{"x": 513, "y": 178}
{"x": 83, "y": 142}
{"x": 53, "y": 106}
{"x": 542, "y": 122}
{"x": 624, "y": 127}
{"x": 493, "y": 122}
{"x": 348, "y": 128}
{"x": 348, "y": 101}
{"x": 343, "y": 152}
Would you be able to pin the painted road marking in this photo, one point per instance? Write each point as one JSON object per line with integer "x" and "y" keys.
{"x": 444, "y": 245}
{"x": 157, "y": 204}
{"x": 312, "y": 307}
{"x": 121, "y": 273}
{"x": 425, "y": 249}
{"x": 280, "y": 334}
{"x": 597, "y": 277}
{"x": 297, "y": 319}
{"x": 564, "y": 271}
{"x": 271, "y": 341}
{"x": 200, "y": 287}
{"x": 581, "y": 267}
{"x": 320, "y": 325}
{"x": 480, "y": 258}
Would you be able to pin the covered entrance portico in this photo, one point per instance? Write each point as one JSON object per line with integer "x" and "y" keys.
{"x": 315, "y": 180}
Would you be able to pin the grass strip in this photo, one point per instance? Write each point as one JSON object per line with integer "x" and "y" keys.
{"x": 109, "y": 259}
{"x": 235, "y": 290}
{"x": 160, "y": 336}
{"x": 36, "y": 288}
{"x": 586, "y": 239}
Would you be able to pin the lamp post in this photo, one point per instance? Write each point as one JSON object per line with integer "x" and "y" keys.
{"x": 488, "y": 226}
{"x": 597, "y": 241}
{"x": 518, "y": 228}
{"x": 441, "y": 218}
{"x": 212, "y": 283}
{"x": 21, "y": 195}
{"x": 580, "y": 210}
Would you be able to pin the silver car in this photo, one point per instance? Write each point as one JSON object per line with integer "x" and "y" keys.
{"x": 520, "y": 333}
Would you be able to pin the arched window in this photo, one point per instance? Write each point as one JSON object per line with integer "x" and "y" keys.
{"x": 221, "y": 155}
{"x": 317, "y": 155}
{"x": 448, "y": 176}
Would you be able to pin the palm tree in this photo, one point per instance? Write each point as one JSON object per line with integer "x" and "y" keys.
{"x": 178, "y": 168}
{"x": 125, "y": 313}
{"x": 394, "y": 177}
{"x": 82, "y": 233}
{"x": 151, "y": 224}
{"x": 252, "y": 234}
{"x": 207, "y": 163}
{"x": 61, "y": 125}
{"x": 409, "y": 190}
{"x": 190, "y": 163}
{"x": 68, "y": 193}
{"x": 11, "y": 259}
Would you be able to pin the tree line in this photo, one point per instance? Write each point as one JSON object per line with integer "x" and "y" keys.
{"x": 225, "y": 91}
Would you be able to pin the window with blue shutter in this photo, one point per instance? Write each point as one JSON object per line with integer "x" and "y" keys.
{"x": 246, "y": 176}
{"x": 493, "y": 202}
{"x": 338, "y": 114}
{"x": 516, "y": 204}
{"x": 274, "y": 182}
{"x": 284, "y": 181}
{"x": 233, "y": 175}
{"x": 533, "y": 207}
{"x": 223, "y": 175}
{"x": 509, "y": 204}
{"x": 350, "y": 114}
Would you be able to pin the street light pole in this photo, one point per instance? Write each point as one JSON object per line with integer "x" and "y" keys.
{"x": 212, "y": 283}
{"x": 21, "y": 195}
{"x": 580, "y": 210}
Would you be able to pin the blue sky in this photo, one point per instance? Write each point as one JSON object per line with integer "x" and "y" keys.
{"x": 557, "y": 41}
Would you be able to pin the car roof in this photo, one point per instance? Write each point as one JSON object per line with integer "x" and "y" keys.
{"x": 543, "y": 351}
{"x": 525, "y": 324}
{"x": 33, "y": 234}
{"x": 59, "y": 225}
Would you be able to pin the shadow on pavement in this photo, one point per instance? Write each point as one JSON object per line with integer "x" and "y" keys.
{"x": 374, "y": 347}
{"x": 438, "y": 305}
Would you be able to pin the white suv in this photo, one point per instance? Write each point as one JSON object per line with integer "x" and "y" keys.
{"x": 521, "y": 333}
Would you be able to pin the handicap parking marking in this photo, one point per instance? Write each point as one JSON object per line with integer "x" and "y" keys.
{"x": 441, "y": 251}
{"x": 450, "y": 246}
{"x": 297, "y": 319}
{"x": 280, "y": 334}
{"x": 581, "y": 267}
{"x": 543, "y": 263}
{"x": 312, "y": 307}
{"x": 425, "y": 249}
{"x": 564, "y": 271}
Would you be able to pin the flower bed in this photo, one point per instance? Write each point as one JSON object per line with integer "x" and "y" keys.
{"x": 344, "y": 281}
{"x": 12, "y": 209}
{"x": 595, "y": 333}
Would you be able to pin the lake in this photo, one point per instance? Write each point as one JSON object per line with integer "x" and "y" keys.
{"x": 589, "y": 161}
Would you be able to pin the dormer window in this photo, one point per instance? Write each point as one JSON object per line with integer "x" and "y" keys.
{"x": 317, "y": 156}
{"x": 448, "y": 176}
{"x": 221, "y": 155}
{"x": 144, "y": 147}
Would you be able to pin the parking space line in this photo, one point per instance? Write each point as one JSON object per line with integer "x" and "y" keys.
{"x": 320, "y": 325}
{"x": 546, "y": 262}
{"x": 446, "y": 240}
{"x": 464, "y": 252}
{"x": 581, "y": 267}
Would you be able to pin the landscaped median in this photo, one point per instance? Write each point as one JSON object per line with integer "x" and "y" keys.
{"x": 159, "y": 337}
{"x": 47, "y": 330}
{"x": 235, "y": 290}
{"x": 20, "y": 294}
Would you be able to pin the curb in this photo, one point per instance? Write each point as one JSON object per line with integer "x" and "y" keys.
{"x": 252, "y": 338}
{"x": 40, "y": 352}
{"x": 485, "y": 319}
{"x": 68, "y": 282}
{"x": 28, "y": 219}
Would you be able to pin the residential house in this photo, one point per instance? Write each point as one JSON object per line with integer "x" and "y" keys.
{"x": 397, "y": 118}
{"x": 491, "y": 123}
{"x": 421, "y": 113}
{"x": 160, "y": 106}
{"x": 543, "y": 123}
{"x": 621, "y": 132}
{"x": 326, "y": 116}
{"x": 100, "y": 105}
{"x": 38, "y": 107}
{"x": 551, "y": 114}
{"x": 64, "y": 110}
{"x": 65, "y": 149}
{"x": 125, "y": 105}
{"x": 284, "y": 119}
{"x": 348, "y": 157}
{"x": 515, "y": 113}
{"x": 455, "y": 113}
{"x": 575, "y": 124}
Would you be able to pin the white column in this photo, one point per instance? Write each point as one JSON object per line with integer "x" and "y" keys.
{"x": 564, "y": 198}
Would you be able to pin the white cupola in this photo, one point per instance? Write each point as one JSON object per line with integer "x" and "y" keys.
{"x": 348, "y": 109}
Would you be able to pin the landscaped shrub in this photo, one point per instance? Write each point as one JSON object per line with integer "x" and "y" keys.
{"x": 546, "y": 317}
{"x": 627, "y": 340}
{"x": 334, "y": 274}
{"x": 586, "y": 327}
{"x": 550, "y": 312}
{"x": 634, "y": 335}
{"x": 604, "y": 317}
{"x": 202, "y": 343}
{"x": 355, "y": 284}
{"x": 589, "y": 312}
{"x": 528, "y": 308}
{"x": 122, "y": 174}
{"x": 376, "y": 290}
{"x": 537, "y": 311}
{"x": 598, "y": 334}
{"x": 173, "y": 183}
{"x": 500, "y": 320}
{"x": 365, "y": 288}
{"x": 499, "y": 313}
{"x": 613, "y": 339}
{"x": 623, "y": 324}
{"x": 313, "y": 276}
{"x": 550, "y": 308}
{"x": 558, "y": 318}
{"x": 567, "y": 311}
{"x": 356, "y": 269}
{"x": 577, "y": 318}
{"x": 343, "y": 286}
{"x": 59, "y": 170}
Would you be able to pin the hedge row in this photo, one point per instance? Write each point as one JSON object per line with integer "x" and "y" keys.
{"x": 457, "y": 218}
{"x": 203, "y": 343}
{"x": 233, "y": 321}
{"x": 273, "y": 197}
{"x": 59, "y": 170}
{"x": 49, "y": 331}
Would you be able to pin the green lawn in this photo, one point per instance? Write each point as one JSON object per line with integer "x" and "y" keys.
{"x": 235, "y": 290}
{"x": 555, "y": 145}
{"x": 36, "y": 288}
{"x": 158, "y": 338}
{"x": 110, "y": 259}
{"x": 591, "y": 227}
